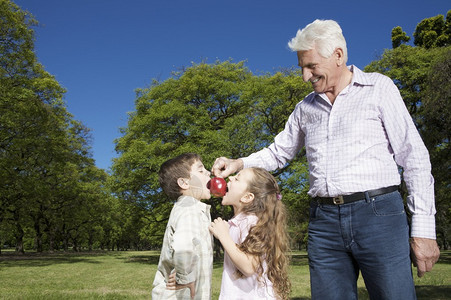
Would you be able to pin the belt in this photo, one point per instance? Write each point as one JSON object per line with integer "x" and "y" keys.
{"x": 355, "y": 197}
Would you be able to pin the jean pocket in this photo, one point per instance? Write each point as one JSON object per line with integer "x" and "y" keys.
{"x": 313, "y": 209}
{"x": 390, "y": 204}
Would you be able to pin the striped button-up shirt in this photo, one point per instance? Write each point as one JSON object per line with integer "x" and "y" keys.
{"x": 357, "y": 144}
{"x": 187, "y": 249}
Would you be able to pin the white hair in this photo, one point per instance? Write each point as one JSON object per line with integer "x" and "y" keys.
{"x": 325, "y": 35}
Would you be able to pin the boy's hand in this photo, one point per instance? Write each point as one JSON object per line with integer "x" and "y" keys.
{"x": 173, "y": 285}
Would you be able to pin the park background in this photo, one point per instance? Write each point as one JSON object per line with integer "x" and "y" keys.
{"x": 55, "y": 195}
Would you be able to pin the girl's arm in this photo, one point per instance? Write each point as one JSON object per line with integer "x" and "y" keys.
{"x": 245, "y": 263}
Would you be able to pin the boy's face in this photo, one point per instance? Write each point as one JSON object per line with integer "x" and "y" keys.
{"x": 199, "y": 177}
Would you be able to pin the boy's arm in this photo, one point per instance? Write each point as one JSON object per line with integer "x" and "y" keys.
{"x": 185, "y": 247}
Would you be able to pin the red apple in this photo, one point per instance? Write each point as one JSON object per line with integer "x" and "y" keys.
{"x": 217, "y": 186}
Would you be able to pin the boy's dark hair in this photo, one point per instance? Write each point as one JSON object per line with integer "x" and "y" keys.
{"x": 173, "y": 169}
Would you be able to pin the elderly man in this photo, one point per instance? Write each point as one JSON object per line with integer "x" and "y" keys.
{"x": 356, "y": 131}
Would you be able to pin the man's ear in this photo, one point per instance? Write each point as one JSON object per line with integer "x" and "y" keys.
{"x": 183, "y": 183}
{"x": 339, "y": 56}
{"x": 248, "y": 198}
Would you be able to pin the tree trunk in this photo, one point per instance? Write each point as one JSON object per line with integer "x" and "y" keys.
{"x": 19, "y": 234}
{"x": 75, "y": 246}
{"x": 1, "y": 243}
{"x": 90, "y": 240}
{"x": 38, "y": 237}
{"x": 51, "y": 237}
{"x": 66, "y": 242}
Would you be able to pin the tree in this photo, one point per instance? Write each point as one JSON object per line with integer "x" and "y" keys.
{"x": 218, "y": 109}
{"x": 433, "y": 32}
{"x": 436, "y": 122}
{"x": 398, "y": 36}
{"x": 30, "y": 101}
{"x": 50, "y": 186}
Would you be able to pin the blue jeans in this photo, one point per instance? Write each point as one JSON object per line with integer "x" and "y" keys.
{"x": 370, "y": 236}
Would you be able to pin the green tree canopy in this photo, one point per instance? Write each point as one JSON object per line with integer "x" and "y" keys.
{"x": 218, "y": 109}
{"x": 46, "y": 169}
{"x": 433, "y": 32}
{"x": 398, "y": 37}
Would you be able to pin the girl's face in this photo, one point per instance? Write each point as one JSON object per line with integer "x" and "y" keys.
{"x": 198, "y": 181}
{"x": 238, "y": 194}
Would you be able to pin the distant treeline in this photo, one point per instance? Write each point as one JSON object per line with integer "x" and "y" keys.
{"x": 53, "y": 197}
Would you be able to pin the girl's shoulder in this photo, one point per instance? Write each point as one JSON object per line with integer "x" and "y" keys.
{"x": 240, "y": 225}
{"x": 244, "y": 220}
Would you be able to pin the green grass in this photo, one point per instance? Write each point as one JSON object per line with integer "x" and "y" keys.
{"x": 129, "y": 275}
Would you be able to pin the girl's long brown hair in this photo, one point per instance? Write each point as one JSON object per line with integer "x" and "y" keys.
{"x": 268, "y": 239}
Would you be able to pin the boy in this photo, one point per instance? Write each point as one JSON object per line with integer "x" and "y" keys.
{"x": 187, "y": 252}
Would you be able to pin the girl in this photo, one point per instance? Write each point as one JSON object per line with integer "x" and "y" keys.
{"x": 255, "y": 240}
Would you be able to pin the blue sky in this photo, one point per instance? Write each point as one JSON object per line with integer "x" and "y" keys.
{"x": 102, "y": 50}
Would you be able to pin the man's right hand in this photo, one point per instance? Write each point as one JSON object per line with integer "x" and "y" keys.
{"x": 224, "y": 166}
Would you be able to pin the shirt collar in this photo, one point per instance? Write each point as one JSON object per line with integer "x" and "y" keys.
{"x": 188, "y": 201}
{"x": 359, "y": 77}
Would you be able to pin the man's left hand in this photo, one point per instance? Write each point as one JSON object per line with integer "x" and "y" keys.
{"x": 424, "y": 253}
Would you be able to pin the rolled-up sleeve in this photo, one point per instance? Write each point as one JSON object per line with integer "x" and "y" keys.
{"x": 185, "y": 247}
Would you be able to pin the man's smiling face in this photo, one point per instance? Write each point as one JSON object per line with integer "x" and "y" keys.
{"x": 321, "y": 72}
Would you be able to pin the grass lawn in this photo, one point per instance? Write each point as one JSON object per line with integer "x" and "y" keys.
{"x": 129, "y": 275}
